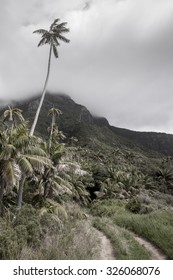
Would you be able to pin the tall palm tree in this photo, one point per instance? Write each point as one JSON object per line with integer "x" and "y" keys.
{"x": 51, "y": 37}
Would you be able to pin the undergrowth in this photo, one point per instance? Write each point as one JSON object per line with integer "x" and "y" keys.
{"x": 157, "y": 227}
{"x": 124, "y": 245}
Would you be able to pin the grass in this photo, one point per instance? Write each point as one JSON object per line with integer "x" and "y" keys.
{"x": 43, "y": 237}
{"x": 77, "y": 241}
{"x": 157, "y": 227}
{"x": 124, "y": 245}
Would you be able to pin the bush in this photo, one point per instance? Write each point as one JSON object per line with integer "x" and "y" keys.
{"x": 107, "y": 207}
{"x": 17, "y": 232}
{"x": 133, "y": 205}
{"x": 29, "y": 220}
{"x": 8, "y": 241}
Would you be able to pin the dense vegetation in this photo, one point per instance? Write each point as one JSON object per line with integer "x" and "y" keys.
{"x": 40, "y": 180}
{"x": 53, "y": 182}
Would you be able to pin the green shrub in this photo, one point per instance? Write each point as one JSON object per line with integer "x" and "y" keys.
{"x": 133, "y": 205}
{"x": 8, "y": 241}
{"x": 28, "y": 218}
{"x": 21, "y": 233}
{"x": 107, "y": 207}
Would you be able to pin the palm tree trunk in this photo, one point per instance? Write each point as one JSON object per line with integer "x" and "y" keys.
{"x": 1, "y": 197}
{"x": 42, "y": 97}
{"x": 20, "y": 192}
{"x": 51, "y": 131}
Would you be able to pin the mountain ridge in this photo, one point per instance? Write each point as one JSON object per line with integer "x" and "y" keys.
{"x": 77, "y": 121}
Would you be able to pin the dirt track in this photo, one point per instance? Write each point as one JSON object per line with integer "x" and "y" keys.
{"x": 107, "y": 252}
{"x": 155, "y": 253}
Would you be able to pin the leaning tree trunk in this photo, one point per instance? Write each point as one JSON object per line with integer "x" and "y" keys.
{"x": 42, "y": 97}
{"x": 20, "y": 192}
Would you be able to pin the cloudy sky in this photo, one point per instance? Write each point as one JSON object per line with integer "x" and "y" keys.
{"x": 119, "y": 63}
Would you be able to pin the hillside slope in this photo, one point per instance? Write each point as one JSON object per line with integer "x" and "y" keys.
{"x": 77, "y": 121}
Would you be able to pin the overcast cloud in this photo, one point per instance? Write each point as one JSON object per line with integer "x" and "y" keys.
{"x": 119, "y": 63}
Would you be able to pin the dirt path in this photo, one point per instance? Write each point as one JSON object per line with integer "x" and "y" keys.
{"x": 107, "y": 252}
{"x": 155, "y": 253}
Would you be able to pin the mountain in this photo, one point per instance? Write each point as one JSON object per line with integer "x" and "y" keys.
{"x": 78, "y": 122}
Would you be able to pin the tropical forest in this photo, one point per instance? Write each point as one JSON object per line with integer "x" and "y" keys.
{"x": 73, "y": 187}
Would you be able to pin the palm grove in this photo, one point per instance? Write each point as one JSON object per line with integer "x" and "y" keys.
{"x": 24, "y": 156}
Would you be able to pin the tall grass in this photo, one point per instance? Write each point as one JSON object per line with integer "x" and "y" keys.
{"x": 124, "y": 245}
{"x": 44, "y": 237}
{"x": 77, "y": 241}
{"x": 157, "y": 227}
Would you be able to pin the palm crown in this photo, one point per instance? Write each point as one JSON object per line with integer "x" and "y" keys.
{"x": 53, "y": 36}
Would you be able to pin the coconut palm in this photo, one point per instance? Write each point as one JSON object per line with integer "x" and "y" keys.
{"x": 13, "y": 115}
{"x": 34, "y": 159}
{"x": 19, "y": 158}
{"x": 51, "y": 185}
{"x": 51, "y": 37}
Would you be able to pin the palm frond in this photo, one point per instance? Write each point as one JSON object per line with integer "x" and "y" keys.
{"x": 61, "y": 26}
{"x": 55, "y": 41}
{"x": 64, "y": 39}
{"x": 60, "y": 189}
{"x": 64, "y": 30}
{"x": 54, "y": 23}
{"x": 38, "y": 162}
{"x": 35, "y": 150}
{"x": 11, "y": 174}
{"x": 40, "y": 31}
{"x": 55, "y": 111}
{"x": 42, "y": 42}
{"x": 13, "y": 113}
{"x": 53, "y": 35}
{"x": 20, "y": 130}
{"x": 25, "y": 166}
{"x": 8, "y": 151}
{"x": 21, "y": 143}
{"x": 55, "y": 51}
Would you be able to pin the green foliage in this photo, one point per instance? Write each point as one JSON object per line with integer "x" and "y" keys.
{"x": 131, "y": 183}
{"x": 106, "y": 207}
{"x": 164, "y": 177}
{"x": 31, "y": 225}
{"x": 19, "y": 231}
{"x": 157, "y": 227}
{"x": 125, "y": 246}
{"x": 8, "y": 241}
{"x": 133, "y": 205}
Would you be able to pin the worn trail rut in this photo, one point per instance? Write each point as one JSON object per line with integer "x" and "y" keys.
{"x": 107, "y": 252}
{"x": 155, "y": 253}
